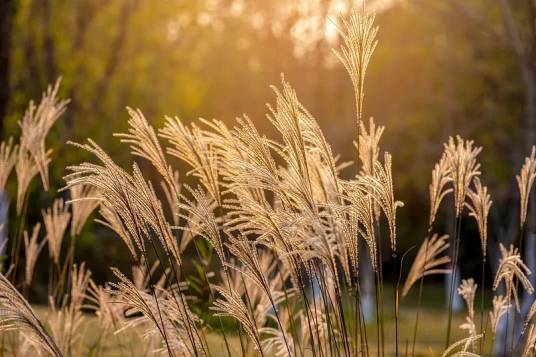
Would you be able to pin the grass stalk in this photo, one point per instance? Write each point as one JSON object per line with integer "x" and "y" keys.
{"x": 291, "y": 319}
{"x": 326, "y": 301}
{"x": 451, "y": 288}
{"x": 15, "y": 252}
{"x": 252, "y": 312}
{"x": 378, "y": 317}
{"x": 212, "y": 299}
{"x": 362, "y": 320}
{"x": 520, "y": 241}
{"x": 397, "y": 283}
{"x": 295, "y": 264}
{"x": 482, "y": 297}
{"x": 163, "y": 330}
{"x": 419, "y": 295}
{"x": 380, "y": 271}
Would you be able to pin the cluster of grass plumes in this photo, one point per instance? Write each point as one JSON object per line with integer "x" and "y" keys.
{"x": 288, "y": 232}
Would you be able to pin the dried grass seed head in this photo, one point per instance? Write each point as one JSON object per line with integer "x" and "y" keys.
{"x": 17, "y": 314}
{"x": 8, "y": 158}
{"x": 461, "y": 158}
{"x": 500, "y": 307}
{"x": 428, "y": 260}
{"x": 358, "y": 35}
{"x": 193, "y": 146}
{"x": 144, "y": 143}
{"x": 511, "y": 267}
{"x": 467, "y": 291}
{"x": 525, "y": 181}
{"x": 32, "y": 249}
{"x": 26, "y": 169}
{"x": 380, "y": 187}
{"x": 369, "y": 149}
{"x": 35, "y": 126}
{"x": 479, "y": 205}
{"x": 438, "y": 188}
{"x": 84, "y": 200}
{"x": 56, "y": 219}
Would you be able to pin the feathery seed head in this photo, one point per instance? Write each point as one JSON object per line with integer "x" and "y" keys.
{"x": 463, "y": 168}
{"x": 26, "y": 169}
{"x": 32, "y": 248}
{"x": 17, "y": 314}
{"x": 428, "y": 260}
{"x": 144, "y": 143}
{"x": 500, "y": 307}
{"x": 380, "y": 187}
{"x": 84, "y": 199}
{"x": 369, "y": 149}
{"x": 479, "y": 205}
{"x": 530, "y": 315}
{"x": 35, "y": 126}
{"x": 525, "y": 180}
{"x": 56, "y": 220}
{"x": 8, "y": 158}
{"x": 467, "y": 290}
{"x": 463, "y": 346}
{"x": 438, "y": 188}
{"x": 511, "y": 266}
{"x": 201, "y": 219}
{"x": 193, "y": 146}
{"x": 358, "y": 35}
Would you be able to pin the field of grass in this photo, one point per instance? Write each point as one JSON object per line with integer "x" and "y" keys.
{"x": 430, "y": 341}
{"x": 276, "y": 236}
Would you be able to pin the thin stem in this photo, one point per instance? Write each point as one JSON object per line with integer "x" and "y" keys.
{"x": 15, "y": 249}
{"x": 242, "y": 348}
{"x": 320, "y": 348}
{"x": 301, "y": 284}
{"x": 506, "y": 327}
{"x": 419, "y": 298}
{"x": 417, "y": 315}
{"x": 357, "y": 321}
{"x": 211, "y": 293}
{"x": 283, "y": 332}
{"x": 158, "y": 309}
{"x": 291, "y": 318}
{"x": 362, "y": 317}
{"x": 380, "y": 271}
{"x": 485, "y": 335}
{"x": 453, "y": 277}
{"x": 323, "y": 292}
{"x": 252, "y": 312}
{"x": 521, "y": 239}
{"x": 397, "y": 266}
{"x": 359, "y": 324}
{"x": 482, "y": 295}
{"x": 343, "y": 320}
{"x": 376, "y": 288}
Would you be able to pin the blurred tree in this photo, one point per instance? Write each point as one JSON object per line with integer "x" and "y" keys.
{"x": 438, "y": 70}
{"x": 506, "y": 30}
{"x": 6, "y": 23}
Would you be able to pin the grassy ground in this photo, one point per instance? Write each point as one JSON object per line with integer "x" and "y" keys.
{"x": 431, "y": 336}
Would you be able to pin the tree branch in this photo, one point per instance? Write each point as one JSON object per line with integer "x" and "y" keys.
{"x": 511, "y": 28}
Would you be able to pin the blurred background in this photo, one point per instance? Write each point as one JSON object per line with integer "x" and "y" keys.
{"x": 441, "y": 68}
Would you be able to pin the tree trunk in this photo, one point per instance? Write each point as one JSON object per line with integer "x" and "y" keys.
{"x": 529, "y": 82}
{"x": 48, "y": 43}
{"x": 116, "y": 48}
{"x": 6, "y": 22}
